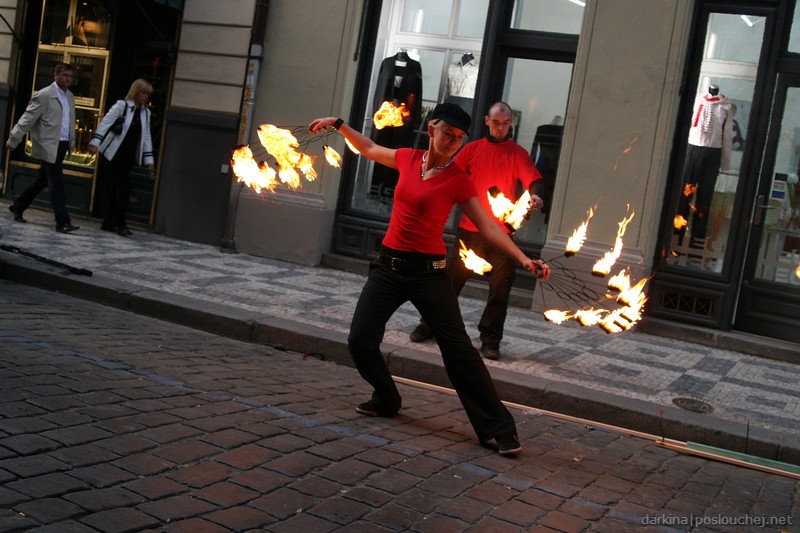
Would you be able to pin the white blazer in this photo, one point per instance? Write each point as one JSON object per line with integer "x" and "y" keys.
{"x": 108, "y": 142}
{"x": 42, "y": 118}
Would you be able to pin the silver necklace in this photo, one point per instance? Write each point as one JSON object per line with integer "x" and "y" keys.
{"x": 425, "y": 159}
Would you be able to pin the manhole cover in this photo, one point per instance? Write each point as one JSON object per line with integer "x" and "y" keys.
{"x": 696, "y": 406}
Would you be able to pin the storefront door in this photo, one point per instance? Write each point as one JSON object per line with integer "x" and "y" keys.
{"x": 769, "y": 301}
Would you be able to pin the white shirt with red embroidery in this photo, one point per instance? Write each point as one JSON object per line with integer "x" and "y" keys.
{"x": 712, "y": 125}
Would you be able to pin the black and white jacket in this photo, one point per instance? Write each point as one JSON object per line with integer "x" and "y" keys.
{"x": 108, "y": 142}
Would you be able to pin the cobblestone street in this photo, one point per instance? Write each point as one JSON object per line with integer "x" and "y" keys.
{"x": 111, "y": 421}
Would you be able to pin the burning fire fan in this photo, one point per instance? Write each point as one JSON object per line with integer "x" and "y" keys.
{"x": 620, "y": 308}
{"x": 286, "y": 150}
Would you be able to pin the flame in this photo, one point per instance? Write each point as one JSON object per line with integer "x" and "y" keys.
{"x": 472, "y": 261}
{"x": 281, "y": 144}
{"x": 689, "y": 189}
{"x": 633, "y": 296}
{"x": 614, "y": 322}
{"x": 619, "y": 283}
{"x": 622, "y": 319}
{"x": 352, "y": 148}
{"x": 603, "y": 266}
{"x": 248, "y": 171}
{"x": 797, "y": 272}
{"x": 509, "y": 212}
{"x": 390, "y": 115}
{"x": 332, "y": 157}
{"x": 575, "y": 242}
{"x": 680, "y": 222}
{"x": 590, "y": 317}
{"x": 555, "y": 316}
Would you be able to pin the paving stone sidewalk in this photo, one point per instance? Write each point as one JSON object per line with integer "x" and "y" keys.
{"x": 630, "y": 378}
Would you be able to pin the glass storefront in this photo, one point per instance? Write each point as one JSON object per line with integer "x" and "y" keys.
{"x": 432, "y": 52}
{"x": 537, "y": 91}
{"x": 427, "y": 52}
{"x": 716, "y": 141}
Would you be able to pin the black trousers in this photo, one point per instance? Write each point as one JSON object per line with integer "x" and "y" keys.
{"x": 51, "y": 175}
{"x": 119, "y": 191}
{"x": 500, "y": 278}
{"x": 700, "y": 168}
{"x": 433, "y": 295}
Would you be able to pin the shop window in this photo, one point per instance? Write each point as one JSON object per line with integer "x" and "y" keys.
{"x": 559, "y": 16}
{"x": 537, "y": 91}
{"x": 427, "y": 52}
{"x": 76, "y": 33}
{"x": 710, "y": 171}
{"x": 426, "y": 17}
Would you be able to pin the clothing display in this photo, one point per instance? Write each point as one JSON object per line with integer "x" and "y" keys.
{"x": 400, "y": 82}
{"x": 709, "y": 151}
{"x": 462, "y": 77}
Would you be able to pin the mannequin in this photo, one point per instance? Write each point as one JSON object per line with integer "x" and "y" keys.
{"x": 400, "y": 82}
{"x": 462, "y": 78}
{"x": 708, "y": 152}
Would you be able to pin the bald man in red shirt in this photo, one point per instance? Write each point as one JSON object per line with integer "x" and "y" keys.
{"x": 495, "y": 161}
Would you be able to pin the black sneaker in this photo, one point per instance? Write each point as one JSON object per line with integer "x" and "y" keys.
{"x": 371, "y": 408}
{"x": 490, "y": 351}
{"x": 367, "y": 408}
{"x": 421, "y": 333}
{"x": 508, "y": 444}
{"x": 66, "y": 228}
{"x": 17, "y": 216}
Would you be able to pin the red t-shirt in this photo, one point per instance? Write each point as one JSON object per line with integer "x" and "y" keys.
{"x": 421, "y": 207}
{"x": 495, "y": 165}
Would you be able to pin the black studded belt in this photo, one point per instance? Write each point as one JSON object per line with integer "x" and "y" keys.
{"x": 410, "y": 266}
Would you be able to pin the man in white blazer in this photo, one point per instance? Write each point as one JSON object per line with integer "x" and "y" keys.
{"x": 50, "y": 120}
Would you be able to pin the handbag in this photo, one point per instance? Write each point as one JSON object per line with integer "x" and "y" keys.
{"x": 116, "y": 127}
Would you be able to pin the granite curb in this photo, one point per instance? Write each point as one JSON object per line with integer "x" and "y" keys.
{"x": 530, "y": 391}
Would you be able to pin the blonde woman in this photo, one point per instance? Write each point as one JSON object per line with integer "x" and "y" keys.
{"x": 123, "y": 138}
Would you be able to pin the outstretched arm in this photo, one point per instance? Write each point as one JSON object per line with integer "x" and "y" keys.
{"x": 489, "y": 229}
{"x": 365, "y": 146}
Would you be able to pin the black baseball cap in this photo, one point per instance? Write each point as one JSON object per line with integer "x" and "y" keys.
{"x": 453, "y": 115}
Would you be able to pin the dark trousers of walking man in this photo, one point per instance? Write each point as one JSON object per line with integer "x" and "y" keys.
{"x": 51, "y": 175}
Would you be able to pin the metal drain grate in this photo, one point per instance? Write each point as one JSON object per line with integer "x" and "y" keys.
{"x": 690, "y": 404}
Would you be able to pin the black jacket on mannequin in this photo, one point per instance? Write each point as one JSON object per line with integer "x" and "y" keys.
{"x": 399, "y": 84}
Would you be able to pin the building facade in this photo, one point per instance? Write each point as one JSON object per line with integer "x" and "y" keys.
{"x": 618, "y": 101}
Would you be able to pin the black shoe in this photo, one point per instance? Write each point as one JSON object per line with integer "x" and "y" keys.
{"x": 108, "y": 227}
{"x": 421, "y": 333}
{"x": 490, "y": 351}
{"x": 508, "y": 444}
{"x": 66, "y": 228}
{"x": 124, "y": 232}
{"x": 17, "y": 216}
{"x": 371, "y": 408}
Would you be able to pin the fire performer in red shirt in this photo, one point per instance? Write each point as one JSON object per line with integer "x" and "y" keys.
{"x": 411, "y": 266}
